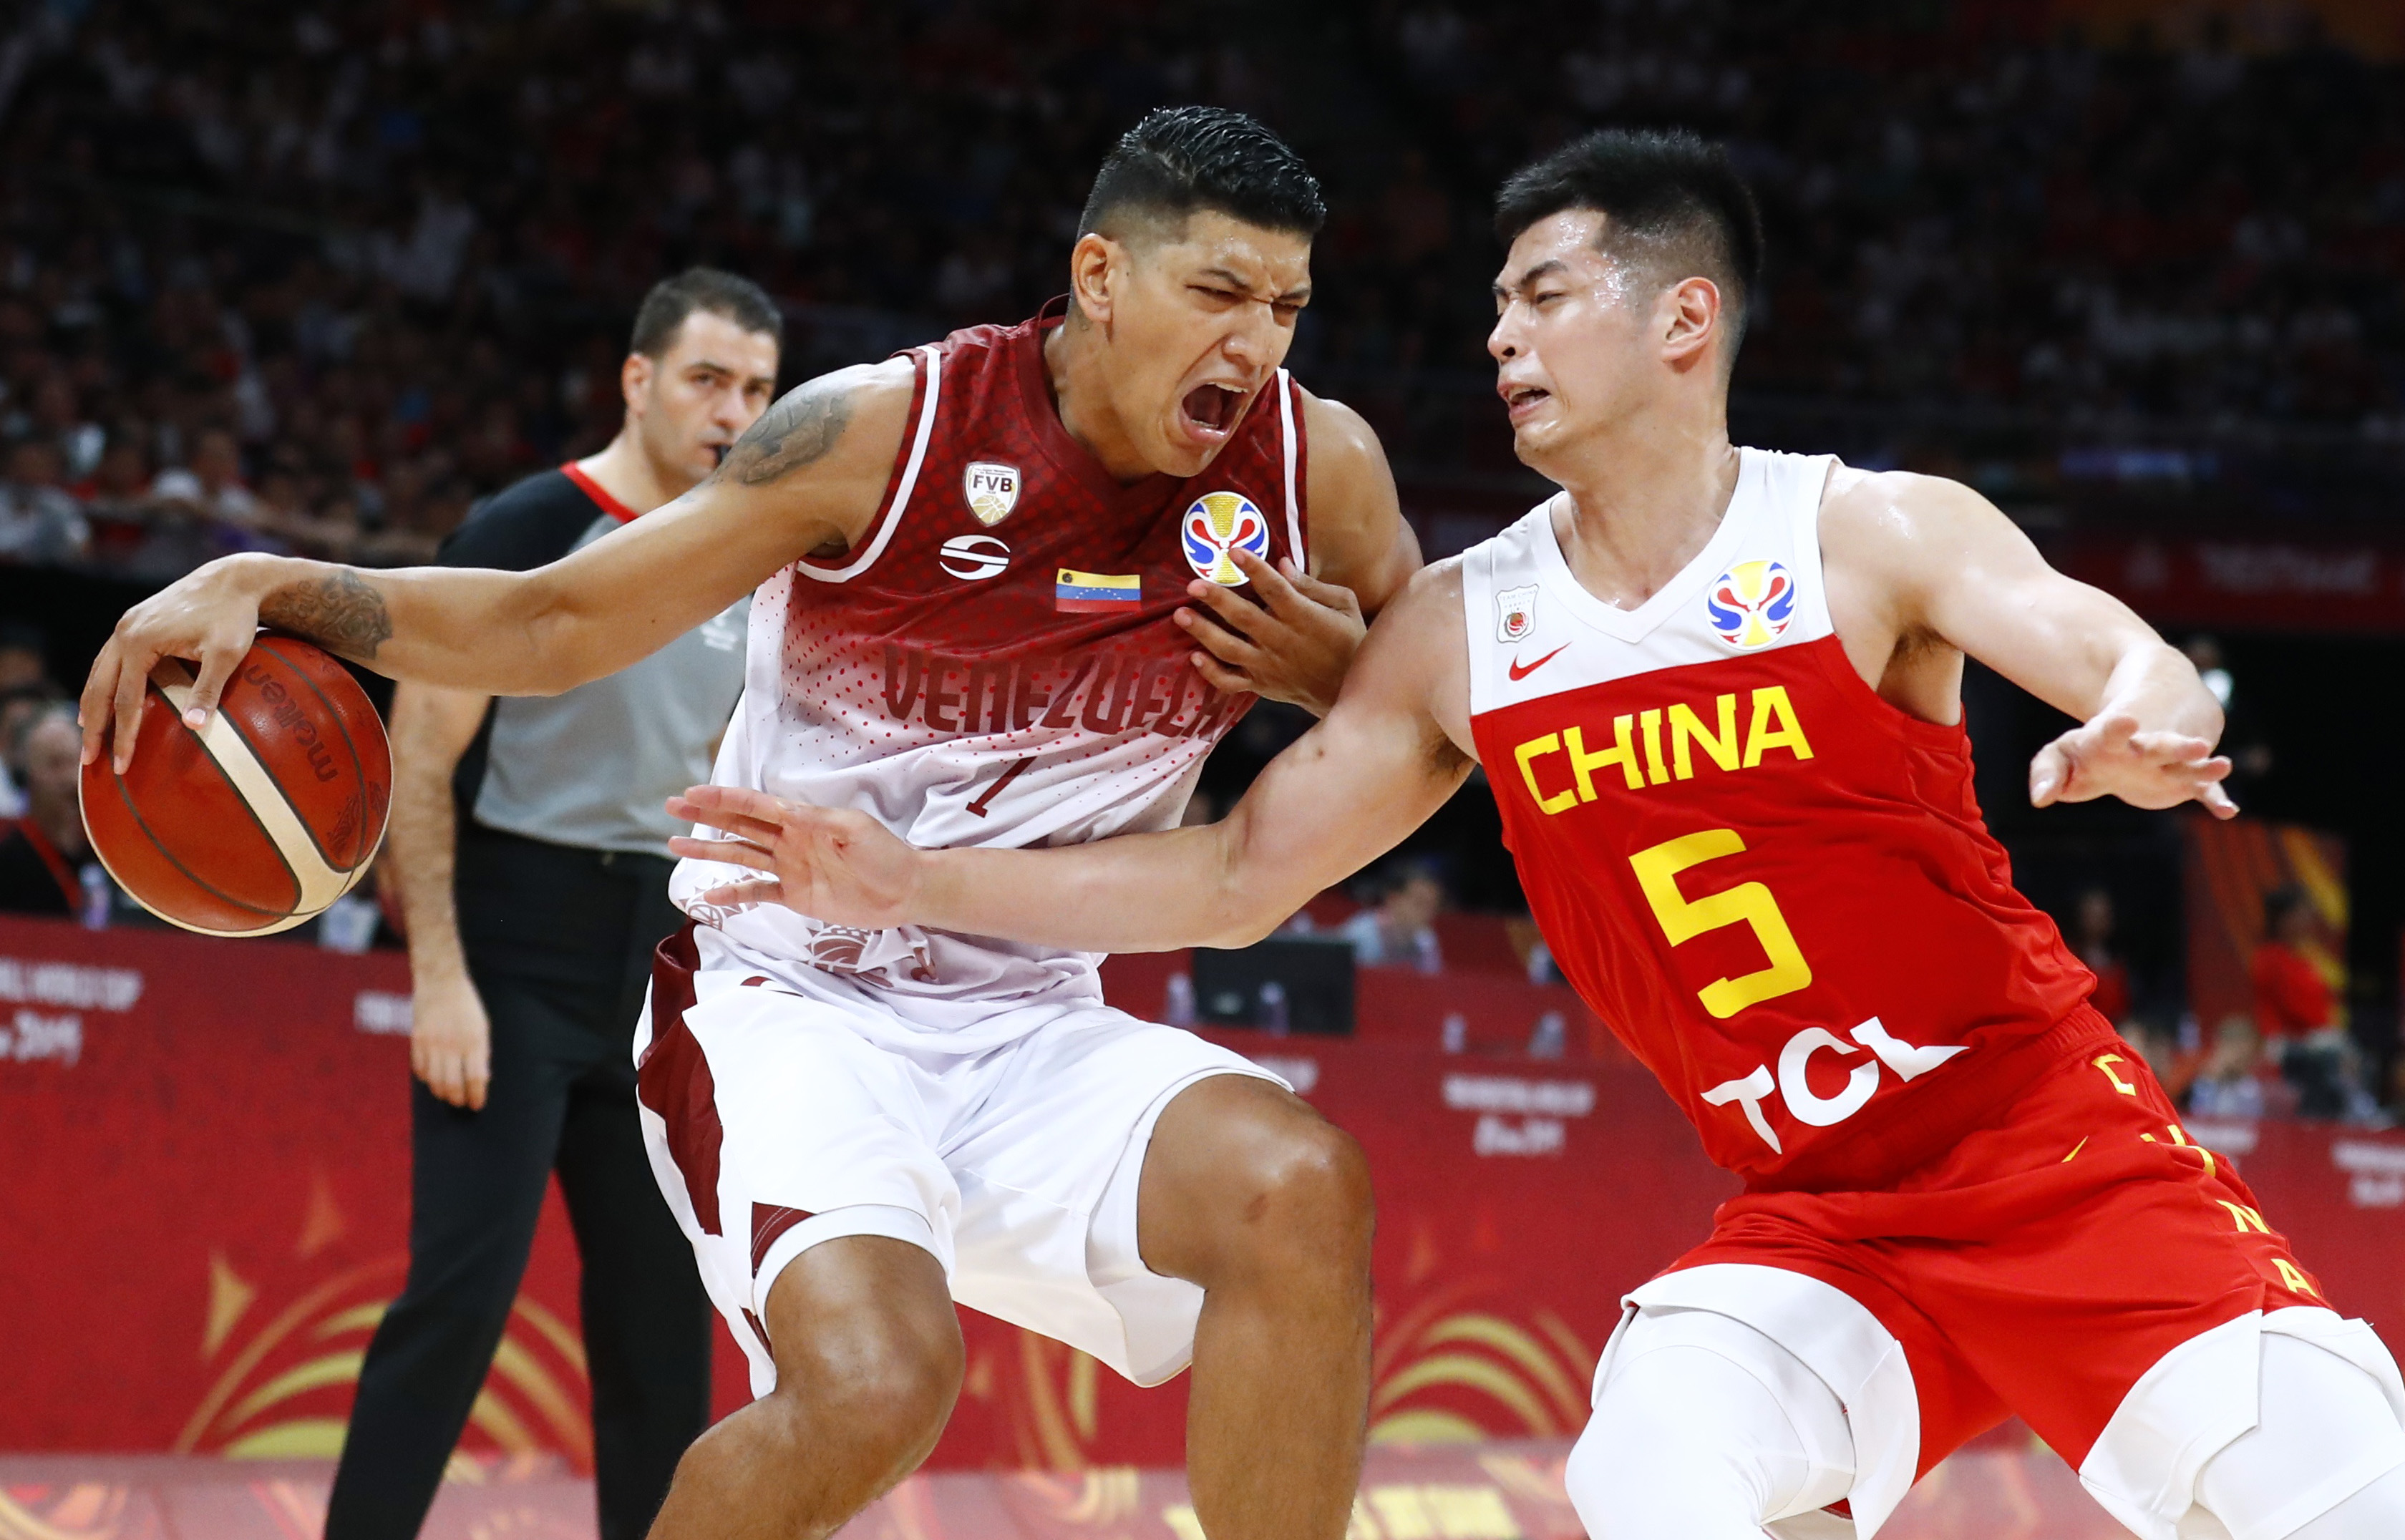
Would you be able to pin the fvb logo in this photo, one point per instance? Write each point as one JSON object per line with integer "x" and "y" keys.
{"x": 285, "y": 1336}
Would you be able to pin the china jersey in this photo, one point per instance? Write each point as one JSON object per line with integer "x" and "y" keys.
{"x": 1774, "y": 885}
{"x": 992, "y": 664}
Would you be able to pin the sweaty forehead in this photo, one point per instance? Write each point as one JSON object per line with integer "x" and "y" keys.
{"x": 1273, "y": 261}
{"x": 1571, "y": 242}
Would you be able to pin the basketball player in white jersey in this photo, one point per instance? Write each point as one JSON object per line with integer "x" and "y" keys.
{"x": 1717, "y": 692}
{"x": 975, "y": 618}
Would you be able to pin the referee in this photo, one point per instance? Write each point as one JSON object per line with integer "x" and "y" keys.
{"x": 530, "y": 846}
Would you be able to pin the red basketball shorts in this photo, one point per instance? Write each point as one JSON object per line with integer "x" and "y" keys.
{"x": 2044, "y": 1267}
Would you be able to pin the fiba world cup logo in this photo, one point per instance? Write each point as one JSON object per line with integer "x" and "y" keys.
{"x": 1216, "y": 524}
{"x": 1752, "y": 604}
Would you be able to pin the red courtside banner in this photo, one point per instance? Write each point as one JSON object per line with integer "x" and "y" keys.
{"x": 205, "y": 1205}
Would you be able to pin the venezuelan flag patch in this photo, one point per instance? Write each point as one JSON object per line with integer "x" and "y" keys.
{"x": 1076, "y": 593}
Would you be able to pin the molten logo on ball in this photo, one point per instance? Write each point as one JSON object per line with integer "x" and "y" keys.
{"x": 259, "y": 820}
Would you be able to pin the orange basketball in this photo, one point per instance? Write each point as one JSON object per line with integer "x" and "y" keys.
{"x": 259, "y": 820}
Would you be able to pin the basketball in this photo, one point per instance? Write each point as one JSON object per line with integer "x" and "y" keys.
{"x": 262, "y": 819}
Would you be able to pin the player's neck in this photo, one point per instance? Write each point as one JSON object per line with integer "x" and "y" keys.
{"x": 1644, "y": 497}
{"x": 626, "y": 473}
{"x": 1072, "y": 365}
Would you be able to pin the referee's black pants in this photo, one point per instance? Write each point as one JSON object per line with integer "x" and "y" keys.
{"x": 559, "y": 944}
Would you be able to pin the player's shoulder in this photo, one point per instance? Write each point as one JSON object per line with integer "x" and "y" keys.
{"x": 1431, "y": 601}
{"x": 1336, "y": 428}
{"x": 887, "y": 385}
{"x": 533, "y": 521}
{"x": 1889, "y": 515}
{"x": 1855, "y": 495}
{"x": 847, "y": 422}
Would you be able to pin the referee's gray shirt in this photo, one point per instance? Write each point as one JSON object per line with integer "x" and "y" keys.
{"x": 592, "y": 767}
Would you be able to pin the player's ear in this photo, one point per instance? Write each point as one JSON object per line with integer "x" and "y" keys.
{"x": 1094, "y": 265}
{"x": 1691, "y": 315}
{"x": 635, "y": 379}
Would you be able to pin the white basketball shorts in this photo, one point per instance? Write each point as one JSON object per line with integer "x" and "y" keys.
{"x": 775, "y": 1124}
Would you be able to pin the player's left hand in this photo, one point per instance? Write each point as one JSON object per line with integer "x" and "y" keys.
{"x": 2109, "y": 757}
{"x": 830, "y": 863}
{"x": 1294, "y": 645}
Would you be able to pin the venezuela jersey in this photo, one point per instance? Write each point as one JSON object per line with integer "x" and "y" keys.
{"x": 1774, "y": 885}
{"x": 992, "y": 664}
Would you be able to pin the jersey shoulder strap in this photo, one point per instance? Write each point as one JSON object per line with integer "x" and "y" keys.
{"x": 1499, "y": 585}
{"x": 1534, "y": 630}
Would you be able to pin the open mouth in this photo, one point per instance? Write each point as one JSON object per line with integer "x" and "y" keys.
{"x": 1519, "y": 400}
{"x": 1212, "y": 409}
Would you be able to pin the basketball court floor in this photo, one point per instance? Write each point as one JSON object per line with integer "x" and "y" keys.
{"x": 1503, "y": 1491}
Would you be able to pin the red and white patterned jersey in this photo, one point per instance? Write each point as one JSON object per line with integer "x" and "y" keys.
{"x": 994, "y": 664}
{"x": 1774, "y": 885}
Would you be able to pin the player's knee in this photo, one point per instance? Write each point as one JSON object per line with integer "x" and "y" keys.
{"x": 1682, "y": 1445}
{"x": 2327, "y": 1461}
{"x": 880, "y": 1381}
{"x": 1301, "y": 1200}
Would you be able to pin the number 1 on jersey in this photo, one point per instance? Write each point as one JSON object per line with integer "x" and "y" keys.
{"x": 985, "y": 798}
{"x": 1748, "y": 904}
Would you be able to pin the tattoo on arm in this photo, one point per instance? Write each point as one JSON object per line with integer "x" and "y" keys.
{"x": 341, "y": 611}
{"x": 797, "y": 431}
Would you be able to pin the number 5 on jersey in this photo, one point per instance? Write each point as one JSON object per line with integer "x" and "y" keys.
{"x": 1748, "y": 904}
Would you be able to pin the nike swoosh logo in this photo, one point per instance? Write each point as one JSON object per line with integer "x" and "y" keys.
{"x": 1519, "y": 672}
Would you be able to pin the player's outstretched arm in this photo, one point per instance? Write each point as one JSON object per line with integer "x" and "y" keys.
{"x": 1950, "y": 565}
{"x": 1344, "y": 793}
{"x": 807, "y": 475}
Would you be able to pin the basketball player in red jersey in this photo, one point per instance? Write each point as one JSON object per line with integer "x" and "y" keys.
{"x": 1717, "y": 692}
{"x": 976, "y": 615}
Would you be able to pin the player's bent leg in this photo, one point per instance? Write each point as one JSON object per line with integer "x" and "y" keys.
{"x": 1249, "y": 1193}
{"x": 1705, "y": 1429}
{"x": 868, "y": 1363}
{"x": 2327, "y": 1461}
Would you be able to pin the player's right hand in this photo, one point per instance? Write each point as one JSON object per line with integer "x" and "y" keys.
{"x": 451, "y": 1039}
{"x": 830, "y": 863}
{"x": 209, "y": 616}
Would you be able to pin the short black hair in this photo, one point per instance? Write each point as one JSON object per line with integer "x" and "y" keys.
{"x": 1668, "y": 198}
{"x": 662, "y": 314}
{"x": 1182, "y": 159}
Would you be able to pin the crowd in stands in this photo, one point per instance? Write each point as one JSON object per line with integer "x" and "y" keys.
{"x": 1966, "y": 202}
{"x": 314, "y": 279}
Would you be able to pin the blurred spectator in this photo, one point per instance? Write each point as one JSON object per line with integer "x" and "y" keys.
{"x": 1400, "y": 929}
{"x": 43, "y": 854}
{"x": 2094, "y": 945}
{"x": 25, "y": 657}
{"x": 25, "y": 689}
{"x": 210, "y": 488}
{"x": 2294, "y": 1010}
{"x": 19, "y": 706}
{"x": 2228, "y": 1085}
{"x": 38, "y": 521}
